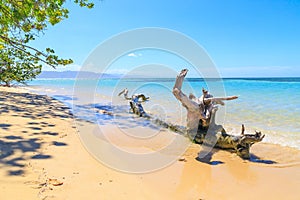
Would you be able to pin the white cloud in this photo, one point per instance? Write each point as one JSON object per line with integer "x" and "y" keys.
{"x": 134, "y": 55}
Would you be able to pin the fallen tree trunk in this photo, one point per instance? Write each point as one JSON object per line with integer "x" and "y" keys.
{"x": 240, "y": 144}
{"x": 138, "y": 109}
{"x": 201, "y": 126}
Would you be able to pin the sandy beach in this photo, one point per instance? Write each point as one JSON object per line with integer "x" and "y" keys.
{"x": 42, "y": 157}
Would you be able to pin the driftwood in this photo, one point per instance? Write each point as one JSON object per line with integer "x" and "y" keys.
{"x": 135, "y": 97}
{"x": 125, "y": 92}
{"x": 137, "y": 108}
{"x": 201, "y": 126}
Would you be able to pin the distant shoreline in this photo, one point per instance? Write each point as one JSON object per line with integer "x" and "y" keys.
{"x": 93, "y": 75}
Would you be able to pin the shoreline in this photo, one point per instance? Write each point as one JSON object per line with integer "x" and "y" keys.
{"x": 248, "y": 109}
{"x": 40, "y": 143}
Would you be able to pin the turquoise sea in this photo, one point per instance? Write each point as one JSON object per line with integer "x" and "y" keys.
{"x": 271, "y": 105}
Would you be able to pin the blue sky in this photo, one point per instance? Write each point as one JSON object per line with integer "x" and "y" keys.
{"x": 255, "y": 38}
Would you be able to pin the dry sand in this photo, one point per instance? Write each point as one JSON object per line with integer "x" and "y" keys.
{"x": 40, "y": 148}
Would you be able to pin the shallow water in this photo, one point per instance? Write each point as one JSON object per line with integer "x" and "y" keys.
{"x": 271, "y": 105}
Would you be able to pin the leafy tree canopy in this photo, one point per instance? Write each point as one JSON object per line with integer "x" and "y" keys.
{"x": 21, "y": 21}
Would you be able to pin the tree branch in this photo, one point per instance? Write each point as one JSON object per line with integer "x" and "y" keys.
{"x": 15, "y": 45}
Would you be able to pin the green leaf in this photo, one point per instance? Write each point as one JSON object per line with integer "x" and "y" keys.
{"x": 21, "y": 21}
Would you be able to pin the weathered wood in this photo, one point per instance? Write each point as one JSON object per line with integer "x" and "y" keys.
{"x": 140, "y": 97}
{"x": 201, "y": 121}
{"x": 238, "y": 143}
{"x": 137, "y": 108}
{"x": 201, "y": 126}
{"x": 125, "y": 92}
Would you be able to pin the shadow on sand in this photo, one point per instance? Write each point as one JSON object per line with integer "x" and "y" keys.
{"x": 206, "y": 157}
{"x": 21, "y": 143}
{"x": 256, "y": 159}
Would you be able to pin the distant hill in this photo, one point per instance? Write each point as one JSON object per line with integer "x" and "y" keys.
{"x": 73, "y": 74}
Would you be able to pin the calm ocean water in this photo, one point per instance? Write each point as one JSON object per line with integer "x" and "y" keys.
{"x": 271, "y": 105}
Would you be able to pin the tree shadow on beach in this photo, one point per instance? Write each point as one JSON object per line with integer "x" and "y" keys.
{"x": 13, "y": 161}
{"x": 32, "y": 106}
{"x": 22, "y": 142}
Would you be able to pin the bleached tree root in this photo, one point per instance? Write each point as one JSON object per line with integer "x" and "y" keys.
{"x": 217, "y": 137}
